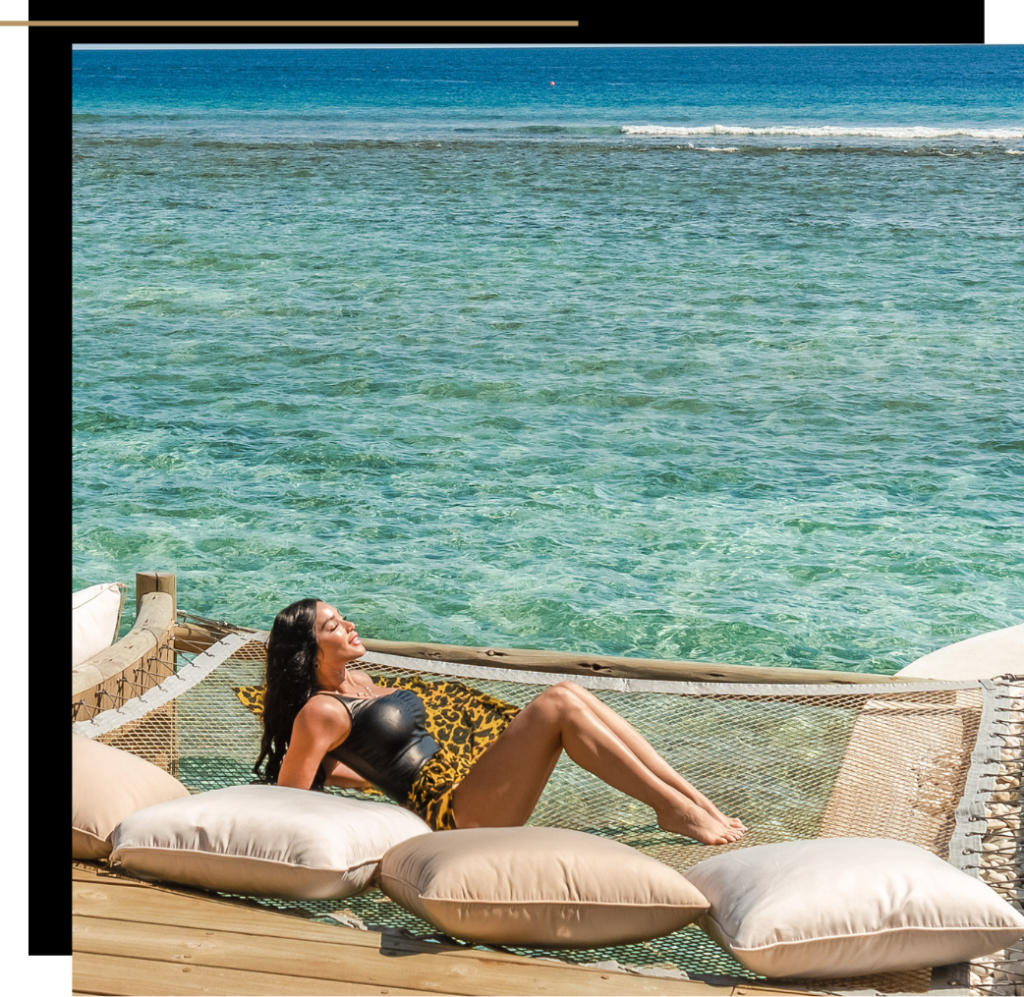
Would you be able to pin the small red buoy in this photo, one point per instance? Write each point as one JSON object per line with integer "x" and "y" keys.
{"x": 552, "y": 82}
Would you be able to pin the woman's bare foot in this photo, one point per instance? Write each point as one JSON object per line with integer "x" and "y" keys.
{"x": 695, "y": 822}
{"x": 733, "y": 822}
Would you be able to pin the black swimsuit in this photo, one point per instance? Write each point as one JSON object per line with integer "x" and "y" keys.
{"x": 418, "y": 743}
{"x": 388, "y": 744}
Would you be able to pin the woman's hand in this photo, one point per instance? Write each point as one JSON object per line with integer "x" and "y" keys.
{"x": 342, "y": 776}
{"x": 322, "y": 724}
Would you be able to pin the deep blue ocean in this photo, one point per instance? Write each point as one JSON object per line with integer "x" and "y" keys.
{"x": 711, "y": 353}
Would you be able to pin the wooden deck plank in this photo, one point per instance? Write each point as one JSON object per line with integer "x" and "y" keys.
{"x": 115, "y": 899}
{"x": 123, "y": 901}
{"x": 143, "y": 933}
{"x": 119, "y": 975}
{"x": 264, "y": 953}
{"x": 340, "y": 966}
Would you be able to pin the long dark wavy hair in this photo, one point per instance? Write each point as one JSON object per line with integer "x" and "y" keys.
{"x": 290, "y": 681}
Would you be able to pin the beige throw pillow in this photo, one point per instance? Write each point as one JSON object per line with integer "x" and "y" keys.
{"x": 268, "y": 841}
{"x": 849, "y": 907}
{"x": 538, "y": 886}
{"x": 107, "y": 785}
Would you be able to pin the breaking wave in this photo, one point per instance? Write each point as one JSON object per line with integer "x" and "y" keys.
{"x": 894, "y": 133}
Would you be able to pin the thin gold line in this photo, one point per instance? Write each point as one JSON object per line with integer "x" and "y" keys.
{"x": 289, "y": 24}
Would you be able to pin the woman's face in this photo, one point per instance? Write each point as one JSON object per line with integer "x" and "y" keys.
{"x": 337, "y": 640}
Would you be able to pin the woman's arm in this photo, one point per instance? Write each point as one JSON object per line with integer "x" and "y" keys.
{"x": 322, "y": 724}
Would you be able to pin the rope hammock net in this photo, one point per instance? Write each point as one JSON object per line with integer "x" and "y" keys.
{"x": 934, "y": 764}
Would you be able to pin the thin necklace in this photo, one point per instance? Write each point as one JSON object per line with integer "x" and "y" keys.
{"x": 362, "y": 692}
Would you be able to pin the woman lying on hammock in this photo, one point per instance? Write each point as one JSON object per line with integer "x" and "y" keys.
{"x": 326, "y": 723}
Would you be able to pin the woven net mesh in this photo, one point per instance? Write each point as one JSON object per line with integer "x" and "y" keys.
{"x": 831, "y": 762}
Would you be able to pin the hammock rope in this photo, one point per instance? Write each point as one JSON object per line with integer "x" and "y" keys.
{"x": 937, "y": 764}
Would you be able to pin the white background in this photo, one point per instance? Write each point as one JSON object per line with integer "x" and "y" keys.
{"x": 1004, "y": 25}
{"x": 36, "y": 976}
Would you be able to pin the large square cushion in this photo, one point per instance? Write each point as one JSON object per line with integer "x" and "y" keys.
{"x": 268, "y": 841}
{"x": 95, "y": 612}
{"x": 849, "y": 907}
{"x": 538, "y": 886}
{"x": 108, "y": 784}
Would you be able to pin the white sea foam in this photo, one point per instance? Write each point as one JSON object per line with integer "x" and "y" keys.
{"x": 828, "y": 131}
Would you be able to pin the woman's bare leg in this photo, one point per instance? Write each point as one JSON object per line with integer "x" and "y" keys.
{"x": 506, "y": 782}
{"x": 642, "y": 748}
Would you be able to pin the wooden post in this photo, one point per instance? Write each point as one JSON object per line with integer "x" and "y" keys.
{"x": 162, "y": 722}
{"x": 160, "y": 581}
{"x": 156, "y": 581}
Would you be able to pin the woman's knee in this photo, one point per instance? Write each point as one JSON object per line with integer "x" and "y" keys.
{"x": 574, "y": 689}
{"x": 562, "y": 697}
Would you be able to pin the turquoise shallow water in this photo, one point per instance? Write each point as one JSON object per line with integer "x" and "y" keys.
{"x": 487, "y": 361}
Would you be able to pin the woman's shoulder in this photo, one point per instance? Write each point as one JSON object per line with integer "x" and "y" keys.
{"x": 321, "y": 707}
{"x": 322, "y": 723}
